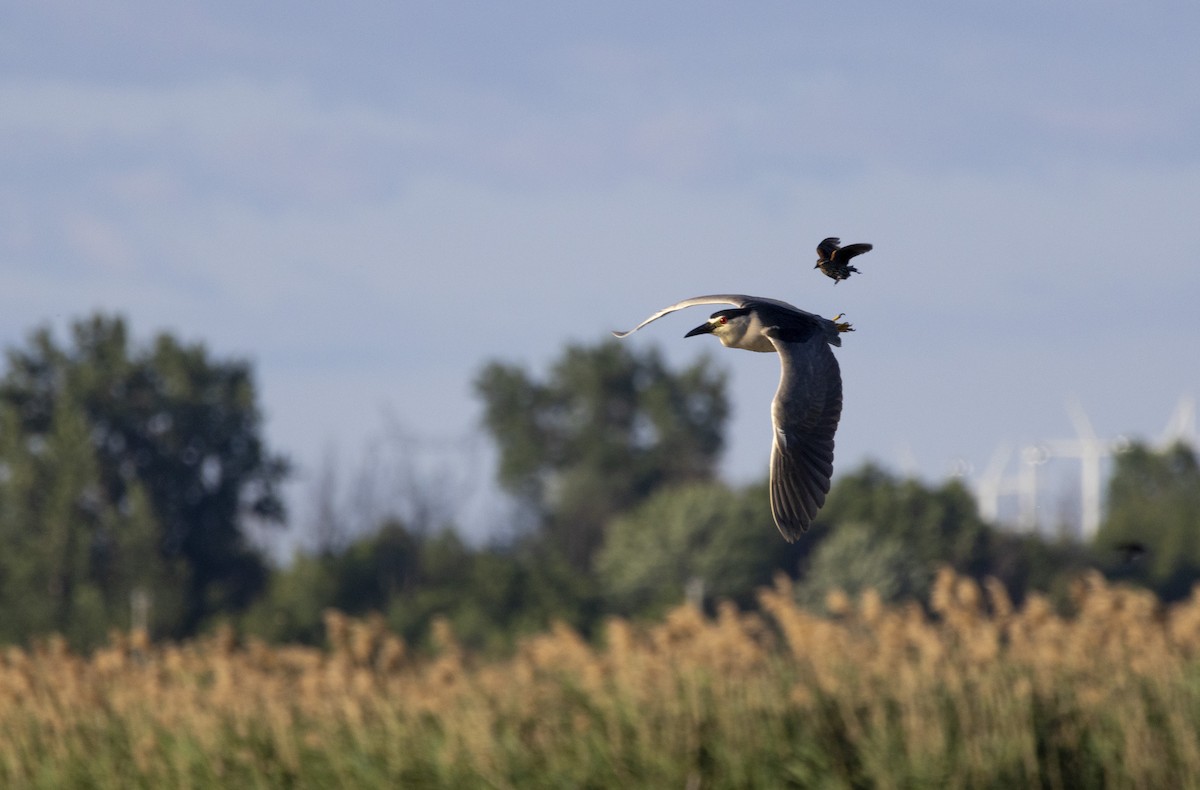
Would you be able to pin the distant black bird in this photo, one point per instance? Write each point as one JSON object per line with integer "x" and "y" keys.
{"x": 1131, "y": 551}
{"x": 835, "y": 260}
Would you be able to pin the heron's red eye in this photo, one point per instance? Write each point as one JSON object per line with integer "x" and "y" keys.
{"x": 722, "y": 319}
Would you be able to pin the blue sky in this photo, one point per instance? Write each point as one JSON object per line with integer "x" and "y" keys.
{"x": 371, "y": 202}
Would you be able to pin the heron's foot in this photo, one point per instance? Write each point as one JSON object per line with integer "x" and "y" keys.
{"x": 843, "y": 326}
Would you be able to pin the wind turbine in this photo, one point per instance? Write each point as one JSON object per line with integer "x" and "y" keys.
{"x": 1181, "y": 427}
{"x": 1032, "y": 456}
{"x": 992, "y": 484}
{"x": 1088, "y": 448}
{"x": 1091, "y": 450}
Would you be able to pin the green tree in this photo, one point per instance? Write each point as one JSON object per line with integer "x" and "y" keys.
{"x": 606, "y": 428}
{"x": 155, "y": 452}
{"x": 1154, "y": 500}
{"x": 939, "y": 523}
{"x": 291, "y": 608}
{"x": 73, "y": 561}
{"x": 363, "y": 576}
{"x": 372, "y": 571}
{"x": 718, "y": 542}
{"x": 856, "y": 557}
{"x": 916, "y": 525}
{"x": 490, "y": 595}
{"x": 1026, "y": 562}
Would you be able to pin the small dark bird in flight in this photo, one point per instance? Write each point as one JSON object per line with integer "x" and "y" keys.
{"x": 1131, "y": 551}
{"x": 808, "y": 403}
{"x": 834, "y": 260}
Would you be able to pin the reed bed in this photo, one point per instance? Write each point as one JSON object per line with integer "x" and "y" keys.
{"x": 973, "y": 693}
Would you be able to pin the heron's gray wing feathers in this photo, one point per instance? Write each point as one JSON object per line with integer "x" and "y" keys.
{"x": 805, "y": 414}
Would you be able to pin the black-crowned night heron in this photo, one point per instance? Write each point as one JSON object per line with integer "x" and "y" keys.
{"x": 807, "y": 405}
{"x": 835, "y": 260}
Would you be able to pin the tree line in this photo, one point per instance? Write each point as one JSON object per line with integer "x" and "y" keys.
{"x": 131, "y": 475}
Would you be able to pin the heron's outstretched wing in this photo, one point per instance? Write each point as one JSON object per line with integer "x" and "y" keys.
{"x": 737, "y": 300}
{"x": 805, "y": 415}
{"x": 776, "y": 311}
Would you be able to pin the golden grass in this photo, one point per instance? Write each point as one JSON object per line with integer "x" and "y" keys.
{"x": 980, "y": 695}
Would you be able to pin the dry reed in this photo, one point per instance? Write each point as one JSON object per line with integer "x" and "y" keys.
{"x": 978, "y": 694}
